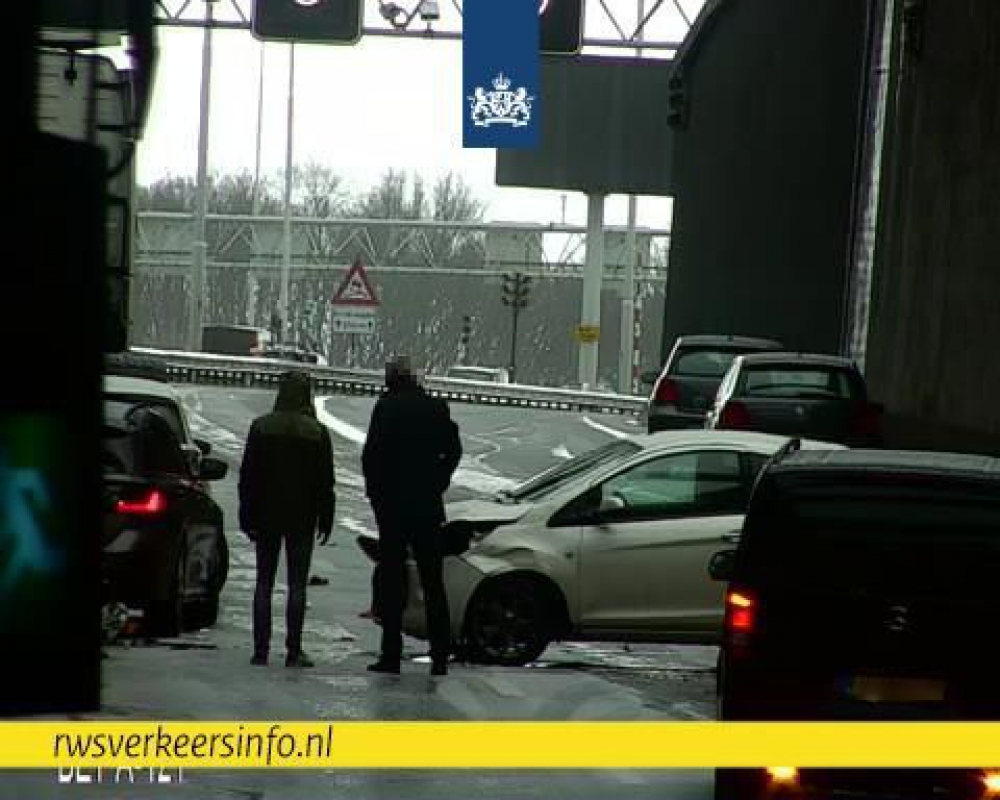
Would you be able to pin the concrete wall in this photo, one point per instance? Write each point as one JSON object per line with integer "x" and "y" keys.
{"x": 764, "y": 172}
{"x": 935, "y": 321}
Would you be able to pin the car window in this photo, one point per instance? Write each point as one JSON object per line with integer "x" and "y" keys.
{"x": 798, "y": 382}
{"x": 552, "y": 479}
{"x": 685, "y": 484}
{"x": 702, "y": 363}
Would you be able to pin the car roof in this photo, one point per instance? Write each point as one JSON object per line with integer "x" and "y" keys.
{"x": 728, "y": 341}
{"x": 701, "y": 437}
{"x": 120, "y": 384}
{"x": 805, "y": 359}
{"x": 893, "y": 462}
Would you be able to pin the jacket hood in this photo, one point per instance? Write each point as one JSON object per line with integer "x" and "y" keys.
{"x": 294, "y": 394}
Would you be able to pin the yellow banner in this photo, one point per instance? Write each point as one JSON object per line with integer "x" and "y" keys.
{"x": 495, "y": 745}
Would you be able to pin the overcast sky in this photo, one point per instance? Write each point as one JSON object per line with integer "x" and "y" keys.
{"x": 383, "y": 103}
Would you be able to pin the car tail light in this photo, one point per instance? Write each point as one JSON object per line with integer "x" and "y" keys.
{"x": 867, "y": 422}
{"x": 991, "y": 783}
{"x": 783, "y": 776}
{"x": 741, "y": 613}
{"x": 734, "y": 416}
{"x": 151, "y": 503}
{"x": 666, "y": 392}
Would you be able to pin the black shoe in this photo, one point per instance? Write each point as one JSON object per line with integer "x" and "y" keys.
{"x": 299, "y": 659}
{"x": 439, "y": 668}
{"x": 390, "y": 667}
{"x": 259, "y": 660}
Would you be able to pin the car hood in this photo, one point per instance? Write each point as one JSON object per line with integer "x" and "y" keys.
{"x": 485, "y": 511}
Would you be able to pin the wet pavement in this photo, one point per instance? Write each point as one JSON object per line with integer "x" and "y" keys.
{"x": 207, "y": 675}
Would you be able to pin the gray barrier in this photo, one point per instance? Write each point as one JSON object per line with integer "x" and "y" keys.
{"x": 211, "y": 369}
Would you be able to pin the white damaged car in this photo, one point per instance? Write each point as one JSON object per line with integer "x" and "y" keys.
{"x": 611, "y": 545}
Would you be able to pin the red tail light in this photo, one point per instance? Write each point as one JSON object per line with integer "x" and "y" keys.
{"x": 666, "y": 393}
{"x": 153, "y": 502}
{"x": 741, "y": 613}
{"x": 734, "y": 416}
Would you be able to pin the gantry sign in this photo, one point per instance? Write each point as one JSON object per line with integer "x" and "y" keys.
{"x": 440, "y": 20}
{"x": 340, "y": 21}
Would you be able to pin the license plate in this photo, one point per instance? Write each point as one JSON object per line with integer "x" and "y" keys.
{"x": 897, "y": 690}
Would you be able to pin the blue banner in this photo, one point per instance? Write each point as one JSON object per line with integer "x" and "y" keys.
{"x": 500, "y": 73}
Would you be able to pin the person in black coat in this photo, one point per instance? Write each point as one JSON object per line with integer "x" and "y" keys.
{"x": 409, "y": 456}
{"x": 286, "y": 494}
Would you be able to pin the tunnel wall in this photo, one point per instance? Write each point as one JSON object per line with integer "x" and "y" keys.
{"x": 934, "y": 327}
{"x": 764, "y": 171}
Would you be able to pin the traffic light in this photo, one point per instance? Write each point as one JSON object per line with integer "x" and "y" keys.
{"x": 515, "y": 290}
{"x": 466, "y": 329}
{"x": 560, "y": 26}
{"x": 310, "y": 21}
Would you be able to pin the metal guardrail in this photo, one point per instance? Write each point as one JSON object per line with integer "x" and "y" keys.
{"x": 211, "y": 369}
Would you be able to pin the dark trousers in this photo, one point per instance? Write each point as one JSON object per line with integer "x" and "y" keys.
{"x": 298, "y": 555}
{"x": 424, "y": 540}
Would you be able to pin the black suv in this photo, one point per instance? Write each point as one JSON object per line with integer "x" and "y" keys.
{"x": 683, "y": 390}
{"x": 811, "y": 395}
{"x": 863, "y": 588}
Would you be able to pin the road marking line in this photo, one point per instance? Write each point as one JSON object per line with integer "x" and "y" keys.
{"x": 605, "y": 429}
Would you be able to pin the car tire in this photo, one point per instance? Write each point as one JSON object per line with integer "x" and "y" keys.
{"x": 738, "y": 784}
{"x": 165, "y": 613}
{"x": 509, "y": 621}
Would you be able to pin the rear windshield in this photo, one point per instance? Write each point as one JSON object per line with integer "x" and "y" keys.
{"x": 703, "y": 363}
{"x": 799, "y": 382}
{"x": 120, "y": 407}
{"x": 920, "y": 541}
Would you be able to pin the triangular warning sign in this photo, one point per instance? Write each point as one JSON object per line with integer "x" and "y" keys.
{"x": 355, "y": 290}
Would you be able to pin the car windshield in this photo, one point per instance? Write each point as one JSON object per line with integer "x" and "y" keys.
{"x": 703, "y": 363}
{"x": 798, "y": 382}
{"x": 119, "y": 407}
{"x": 919, "y": 542}
{"x": 554, "y": 478}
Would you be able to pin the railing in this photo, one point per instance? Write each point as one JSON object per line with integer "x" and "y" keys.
{"x": 208, "y": 368}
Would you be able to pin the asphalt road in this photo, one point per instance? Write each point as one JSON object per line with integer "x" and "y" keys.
{"x": 208, "y": 676}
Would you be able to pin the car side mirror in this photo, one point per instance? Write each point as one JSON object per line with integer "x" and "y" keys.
{"x": 722, "y": 566}
{"x": 212, "y": 469}
{"x": 649, "y": 378}
{"x": 205, "y": 447}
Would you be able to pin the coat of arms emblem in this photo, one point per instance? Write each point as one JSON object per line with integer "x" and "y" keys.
{"x": 502, "y": 106}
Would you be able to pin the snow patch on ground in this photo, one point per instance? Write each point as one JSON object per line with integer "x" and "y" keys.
{"x": 356, "y": 526}
{"x": 561, "y": 452}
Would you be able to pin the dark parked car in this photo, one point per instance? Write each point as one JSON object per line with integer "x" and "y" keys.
{"x": 683, "y": 390}
{"x": 164, "y": 549}
{"x": 863, "y": 587}
{"x": 798, "y": 394}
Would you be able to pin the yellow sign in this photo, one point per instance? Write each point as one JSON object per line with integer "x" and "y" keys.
{"x": 588, "y": 334}
{"x": 499, "y": 745}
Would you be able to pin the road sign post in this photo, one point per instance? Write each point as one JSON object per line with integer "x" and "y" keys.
{"x": 355, "y": 304}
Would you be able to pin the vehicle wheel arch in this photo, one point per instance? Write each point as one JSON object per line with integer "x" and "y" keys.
{"x": 562, "y": 624}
